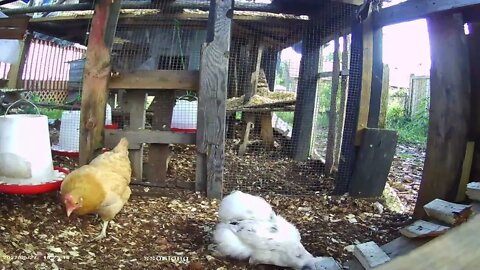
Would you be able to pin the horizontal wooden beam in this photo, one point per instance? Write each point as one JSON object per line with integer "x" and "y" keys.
{"x": 137, "y": 137}
{"x": 156, "y": 79}
{"x": 13, "y": 28}
{"x": 327, "y": 74}
{"x": 413, "y": 10}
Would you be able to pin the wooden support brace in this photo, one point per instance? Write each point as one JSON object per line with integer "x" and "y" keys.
{"x": 212, "y": 100}
{"x": 95, "y": 78}
{"x": 474, "y": 45}
{"x": 449, "y": 110}
{"x": 249, "y": 119}
{"x": 382, "y": 122}
{"x": 267, "y": 130}
{"x": 332, "y": 120}
{"x": 135, "y": 106}
{"x": 16, "y": 70}
{"x": 159, "y": 154}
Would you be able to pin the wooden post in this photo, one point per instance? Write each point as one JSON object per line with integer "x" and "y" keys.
{"x": 474, "y": 42}
{"x": 269, "y": 63}
{"x": 329, "y": 157}
{"x": 254, "y": 61}
{"x": 449, "y": 110}
{"x": 367, "y": 68}
{"x": 348, "y": 152}
{"x": 377, "y": 77}
{"x": 159, "y": 154}
{"x": 343, "y": 101}
{"x": 382, "y": 121}
{"x": 306, "y": 95}
{"x": 135, "y": 106}
{"x": 212, "y": 99}
{"x": 95, "y": 78}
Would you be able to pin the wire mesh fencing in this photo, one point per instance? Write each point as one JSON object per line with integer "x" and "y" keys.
{"x": 287, "y": 81}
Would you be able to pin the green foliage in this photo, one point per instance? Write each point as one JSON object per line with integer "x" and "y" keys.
{"x": 410, "y": 130}
{"x": 50, "y": 113}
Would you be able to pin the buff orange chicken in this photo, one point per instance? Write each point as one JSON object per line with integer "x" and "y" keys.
{"x": 101, "y": 187}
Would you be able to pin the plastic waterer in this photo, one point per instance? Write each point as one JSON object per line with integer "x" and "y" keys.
{"x": 69, "y": 139}
{"x": 184, "y": 116}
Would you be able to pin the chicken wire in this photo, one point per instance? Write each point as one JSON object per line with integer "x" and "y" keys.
{"x": 268, "y": 45}
{"x": 262, "y": 164}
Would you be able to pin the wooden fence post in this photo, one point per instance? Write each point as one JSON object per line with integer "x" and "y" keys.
{"x": 95, "y": 78}
{"x": 212, "y": 99}
{"x": 449, "y": 110}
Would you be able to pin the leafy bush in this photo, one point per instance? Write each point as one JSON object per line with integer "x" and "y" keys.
{"x": 410, "y": 130}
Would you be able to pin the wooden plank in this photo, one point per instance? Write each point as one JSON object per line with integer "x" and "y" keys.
{"x": 95, "y": 78}
{"x": 343, "y": 101}
{"x": 466, "y": 169}
{"x": 457, "y": 249}
{"x": 450, "y": 213}
{"x": 332, "y": 120}
{"x": 269, "y": 64}
{"x": 403, "y": 245}
{"x": 135, "y": 106}
{"x": 449, "y": 110}
{"x": 378, "y": 147}
{"x": 382, "y": 121}
{"x": 156, "y": 80}
{"x": 413, "y": 10}
{"x": 306, "y": 95}
{"x": 212, "y": 100}
{"x": 267, "y": 130}
{"x": 474, "y": 44}
{"x": 367, "y": 68}
{"x": 377, "y": 78}
{"x": 254, "y": 60}
{"x": 159, "y": 154}
{"x": 14, "y": 27}
{"x": 137, "y": 137}
{"x": 370, "y": 255}
{"x": 473, "y": 191}
{"x": 346, "y": 164}
{"x": 422, "y": 228}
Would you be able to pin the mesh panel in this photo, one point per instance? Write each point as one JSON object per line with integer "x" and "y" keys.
{"x": 279, "y": 88}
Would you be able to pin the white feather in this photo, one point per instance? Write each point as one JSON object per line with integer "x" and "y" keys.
{"x": 240, "y": 206}
{"x": 249, "y": 228}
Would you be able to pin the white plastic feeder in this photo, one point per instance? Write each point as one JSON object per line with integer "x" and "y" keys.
{"x": 184, "y": 116}
{"x": 69, "y": 138}
{"x": 25, "y": 155}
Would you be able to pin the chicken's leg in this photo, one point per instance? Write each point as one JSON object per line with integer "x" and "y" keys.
{"x": 103, "y": 233}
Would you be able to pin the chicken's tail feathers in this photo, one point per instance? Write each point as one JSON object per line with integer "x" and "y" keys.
{"x": 122, "y": 146}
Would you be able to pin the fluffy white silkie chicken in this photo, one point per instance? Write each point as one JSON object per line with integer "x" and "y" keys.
{"x": 249, "y": 228}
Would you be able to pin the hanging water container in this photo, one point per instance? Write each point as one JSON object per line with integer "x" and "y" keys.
{"x": 184, "y": 116}
{"x": 26, "y": 164}
{"x": 69, "y": 139}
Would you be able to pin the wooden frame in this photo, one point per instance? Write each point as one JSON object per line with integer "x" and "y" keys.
{"x": 412, "y": 10}
{"x": 14, "y": 28}
{"x": 156, "y": 80}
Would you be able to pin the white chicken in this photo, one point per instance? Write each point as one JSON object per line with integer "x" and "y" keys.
{"x": 249, "y": 228}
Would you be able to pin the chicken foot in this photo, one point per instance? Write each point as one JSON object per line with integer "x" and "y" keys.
{"x": 103, "y": 233}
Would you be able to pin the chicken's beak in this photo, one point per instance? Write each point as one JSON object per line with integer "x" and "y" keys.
{"x": 69, "y": 211}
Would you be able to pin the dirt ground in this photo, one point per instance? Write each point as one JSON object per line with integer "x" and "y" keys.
{"x": 171, "y": 229}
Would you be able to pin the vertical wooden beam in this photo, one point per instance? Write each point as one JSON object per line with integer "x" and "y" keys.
{"x": 95, "y": 78}
{"x": 384, "y": 100}
{"x": 348, "y": 152}
{"x": 306, "y": 95}
{"x": 212, "y": 99}
{"x": 332, "y": 121}
{"x": 367, "y": 68}
{"x": 343, "y": 101}
{"x": 254, "y": 61}
{"x": 449, "y": 110}
{"x": 376, "y": 80}
{"x": 269, "y": 64}
{"x": 474, "y": 42}
{"x": 159, "y": 154}
{"x": 135, "y": 106}
{"x": 16, "y": 70}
